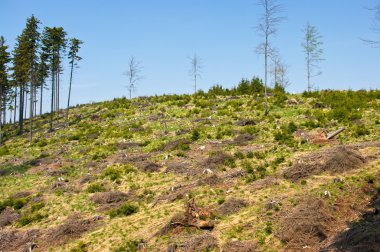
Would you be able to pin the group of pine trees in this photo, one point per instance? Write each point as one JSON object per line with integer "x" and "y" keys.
{"x": 34, "y": 66}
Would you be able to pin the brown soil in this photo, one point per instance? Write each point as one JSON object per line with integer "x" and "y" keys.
{"x": 182, "y": 167}
{"x": 73, "y": 228}
{"x": 264, "y": 183}
{"x": 217, "y": 159}
{"x": 242, "y": 139}
{"x": 209, "y": 180}
{"x": 17, "y": 241}
{"x": 231, "y": 206}
{"x": 239, "y": 246}
{"x": 148, "y": 166}
{"x": 104, "y": 198}
{"x": 174, "y": 144}
{"x": 176, "y": 193}
{"x": 8, "y": 216}
{"x": 193, "y": 217}
{"x": 333, "y": 160}
{"x": 363, "y": 235}
{"x": 201, "y": 243}
{"x": 21, "y": 194}
{"x": 245, "y": 122}
{"x": 308, "y": 224}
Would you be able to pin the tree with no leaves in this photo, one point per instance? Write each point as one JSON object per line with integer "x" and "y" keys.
{"x": 312, "y": 47}
{"x": 375, "y": 27}
{"x": 267, "y": 28}
{"x": 195, "y": 70}
{"x": 279, "y": 71}
{"x": 133, "y": 73}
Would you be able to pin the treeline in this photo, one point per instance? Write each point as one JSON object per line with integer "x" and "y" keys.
{"x": 34, "y": 65}
{"x": 255, "y": 86}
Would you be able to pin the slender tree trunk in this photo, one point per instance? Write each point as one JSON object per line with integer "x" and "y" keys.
{"x": 26, "y": 102}
{"x": 4, "y": 112}
{"x": 15, "y": 108}
{"x": 58, "y": 87}
{"x": 52, "y": 101}
{"x": 68, "y": 100}
{"x": 21, "y": 111}
{"x": 308, "y": 73}
{"x": 1, "y": 129}
{"x": 31, "y": 109}
{"x": 195, "y": 84}
{"x": 42, "y": 88}
{"x": 266, "y": 76}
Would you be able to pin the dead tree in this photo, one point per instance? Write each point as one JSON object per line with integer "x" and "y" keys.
{"x": 134, "y": 74}
{"x": 195, "y": 70}
{"x": 267, "y": 28}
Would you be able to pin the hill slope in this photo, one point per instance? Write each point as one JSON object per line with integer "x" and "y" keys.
{"x": 197, "y": 173}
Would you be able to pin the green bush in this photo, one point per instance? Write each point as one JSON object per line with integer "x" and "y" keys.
{"x": 195, "y": 135}
{"x": 112, "y": 173}
{"x": 128, "y": 246}
{"x": 14, "y": 203}
{"x": 96, "y": 187}
{"x": 359, "y": 131}
{"x": 125, "y": 210}
{"x": 4, "y": 151}
{"x": 29, "y": 218}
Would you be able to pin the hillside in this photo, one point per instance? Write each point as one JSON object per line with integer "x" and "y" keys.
{"x": 204, "y": 172}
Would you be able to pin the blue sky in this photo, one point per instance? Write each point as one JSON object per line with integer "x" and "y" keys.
{"x": 162, "y": 34}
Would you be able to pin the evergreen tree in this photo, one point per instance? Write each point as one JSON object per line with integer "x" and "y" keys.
{"x": 75, "y": 45}
{"x": 54, "y": 44}
{"x": 4, "y": 83}
{"x": 25, "y": 65}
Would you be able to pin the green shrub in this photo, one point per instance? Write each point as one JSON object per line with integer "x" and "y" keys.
{"x": 128, "y": 246}
{"x": 268, "y": 228}
{"x": 96, "y": 187}
{"x": 239, "y": 155}
{"x": 4, "y": 151}
{"x": 29, "y": 218}
{"x": 359, "y": 131}
{"x": 14, "y": 203}
{"x": 80, "y": 247}
{"x": 125, "y": 210}
{"x": 112, "y": 173}
{"x": 195, "y": 135}
{"x": 37, "y": 206}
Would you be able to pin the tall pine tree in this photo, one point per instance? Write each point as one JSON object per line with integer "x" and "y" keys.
{"x": 4, "y": 84}
{"x": 54, "y": 44}
{"x": 75, "y": 45}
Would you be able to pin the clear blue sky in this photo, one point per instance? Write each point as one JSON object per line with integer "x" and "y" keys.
{"x": 162, "y": 34}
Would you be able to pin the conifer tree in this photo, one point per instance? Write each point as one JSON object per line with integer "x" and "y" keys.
{"x": 4, "y": 83}
{"x": 75, "y": 45}
{"x": 25, "y": 65}
{"x": 54, "y": 44}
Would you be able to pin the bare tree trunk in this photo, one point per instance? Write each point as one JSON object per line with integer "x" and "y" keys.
{"x": 1, "y": 130}
{"x": 15, "y": 108}
{"x": 52, "y": 101}
{"x": 58, "y": 84}
{"x": 42, "y": 88}
{"x": 26, "y": 102}
{"x": 4, "y": 112}
{"x": 21, "y": 111}
{"x": 266, "y": 76}
{"x": 68, "y": 100}
{"x": 31, "y": 109}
